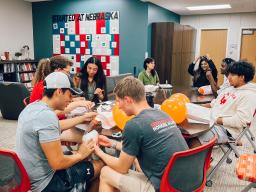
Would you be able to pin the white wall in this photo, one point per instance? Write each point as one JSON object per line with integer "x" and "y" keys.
{"x": 16, "y": 27}
{"x": 233, "y": 22}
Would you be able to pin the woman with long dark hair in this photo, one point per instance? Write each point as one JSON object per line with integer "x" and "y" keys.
{"x": 205, "y": 71}
{"x": 93, "y": 80}
{"x": 149, "y": 75}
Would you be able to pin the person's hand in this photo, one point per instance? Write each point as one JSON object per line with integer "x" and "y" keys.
{"x": 86, "y": 104}
{"x": 208, "y": 56}
{"x": 79, "y": 103}
{"x": 197, "y": 58}
{"x": 89, "y": 116}
{"x": 104, "y": 141}
{"x": 98, "y": 150}
{"x": 86, "y": 148}
{"x": 98, "y": 91}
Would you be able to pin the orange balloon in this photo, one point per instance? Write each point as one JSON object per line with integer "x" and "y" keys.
{"x": 181, "y": 97}
{"x": 120, "y": 117}
{"x": 176, "y": 109}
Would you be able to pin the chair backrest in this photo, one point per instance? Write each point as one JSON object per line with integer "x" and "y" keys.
{"x": 11, "y": 99}
{"x": 13, "y": 176}
{"x": 26, "y": 100}
{"x": 112, "y": 81}
{"x": 186, "y": 170}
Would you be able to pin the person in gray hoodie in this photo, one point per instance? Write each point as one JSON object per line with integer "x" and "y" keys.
{"x": 234, "y": 108}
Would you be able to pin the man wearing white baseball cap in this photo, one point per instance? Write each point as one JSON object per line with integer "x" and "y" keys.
{"x": 38, "y": 142}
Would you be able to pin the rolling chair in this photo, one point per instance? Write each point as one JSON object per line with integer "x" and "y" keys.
{"x": 11, "y": 99}
{"x": 13, "y": 176}
{"x": 186, "y": 170}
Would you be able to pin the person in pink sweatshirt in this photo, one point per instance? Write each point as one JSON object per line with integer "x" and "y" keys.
{"x": 234, "y": 108}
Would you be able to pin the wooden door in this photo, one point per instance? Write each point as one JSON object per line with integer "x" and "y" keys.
{"x": 248, "y": 47}
{"x": 214, "y": 43}
{"x": 161, "y": 49}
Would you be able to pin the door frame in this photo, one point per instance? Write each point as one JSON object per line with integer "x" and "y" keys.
{"x": 240, "y": 39}
{"x": 213, "y": 28}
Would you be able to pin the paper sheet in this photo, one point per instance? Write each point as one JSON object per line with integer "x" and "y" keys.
{"x": 198, "y": 113}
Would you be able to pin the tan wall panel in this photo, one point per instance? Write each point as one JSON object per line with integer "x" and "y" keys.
{"x": 248, "y": 49}
{"x": 214, "y": 42}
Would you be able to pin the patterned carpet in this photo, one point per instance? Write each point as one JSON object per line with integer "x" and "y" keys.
{"x": 224, "y": 181}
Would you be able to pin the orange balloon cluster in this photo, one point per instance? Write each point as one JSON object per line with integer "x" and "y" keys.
{"x": 175, "y": 106}
{"x": 120, "y": 117}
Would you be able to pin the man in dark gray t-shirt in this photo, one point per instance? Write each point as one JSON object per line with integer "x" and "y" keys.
{"x": 151, "y": 137}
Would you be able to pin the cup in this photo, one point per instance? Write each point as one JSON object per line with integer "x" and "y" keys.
{"x": 91, "y": 135}
{"x": 94, "y": 136}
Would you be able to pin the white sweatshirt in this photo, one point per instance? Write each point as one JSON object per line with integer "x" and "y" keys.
{"x": 236, "y": 106}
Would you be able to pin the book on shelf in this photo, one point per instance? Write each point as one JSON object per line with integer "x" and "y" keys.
{"x": 9, "y": 68}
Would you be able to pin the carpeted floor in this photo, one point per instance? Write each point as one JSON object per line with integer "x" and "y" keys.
{"x": 224, "y": 181}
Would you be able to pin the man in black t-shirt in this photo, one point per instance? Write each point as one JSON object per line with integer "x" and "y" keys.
{"x": 151, "y": 137}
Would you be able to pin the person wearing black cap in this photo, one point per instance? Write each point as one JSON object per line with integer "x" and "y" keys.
{"x": 38, "y": 142}
{"x": 223, "y": 70}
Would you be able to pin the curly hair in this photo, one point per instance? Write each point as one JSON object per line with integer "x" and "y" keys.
{"x": 242, "y": 68}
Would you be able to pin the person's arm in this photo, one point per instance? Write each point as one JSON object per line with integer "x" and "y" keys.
{"x": 213, "y": 83}
{"x": 72, "y": 122}
{"x": 78, "y": 103}
{"x": 141, "y": 77}
{"x": 106, "y": 142}
{"x": 243, "y": 115}
{"x": 191, "y": 69}
{"x": 78, "y": 99}
{"x": 73, "y": 105}
{"x": 121, "y": 164}
{"x": 57, "y": 160}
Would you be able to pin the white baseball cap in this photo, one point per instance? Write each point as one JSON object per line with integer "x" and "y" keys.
{"x": 58, "y": 80}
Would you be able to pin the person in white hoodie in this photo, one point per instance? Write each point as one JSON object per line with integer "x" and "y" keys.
{"x": 234, "y": 108}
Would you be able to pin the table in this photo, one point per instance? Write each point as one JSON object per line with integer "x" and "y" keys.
{"x": 193, "y": 95}
{"x": 190, "y": 130}
{"x": 190, "y": 92}
{"x": 106, "y": 132}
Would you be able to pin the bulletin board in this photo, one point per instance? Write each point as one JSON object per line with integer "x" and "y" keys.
{"x": 80, "y": 36}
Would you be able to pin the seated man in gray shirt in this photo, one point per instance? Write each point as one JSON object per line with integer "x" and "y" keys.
{"x": 151, "y": 137}
{"x": 38, "y": 142}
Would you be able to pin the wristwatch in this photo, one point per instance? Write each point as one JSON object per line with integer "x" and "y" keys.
{"x": 114, "y": 145}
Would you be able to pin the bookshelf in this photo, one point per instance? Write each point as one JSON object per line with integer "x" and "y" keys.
{"x": 18, "y": 71}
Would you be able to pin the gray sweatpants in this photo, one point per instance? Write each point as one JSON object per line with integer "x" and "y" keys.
{"x": 220, "y": 131}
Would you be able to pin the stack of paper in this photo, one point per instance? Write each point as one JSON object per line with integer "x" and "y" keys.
{"x": 198, "y": 114}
